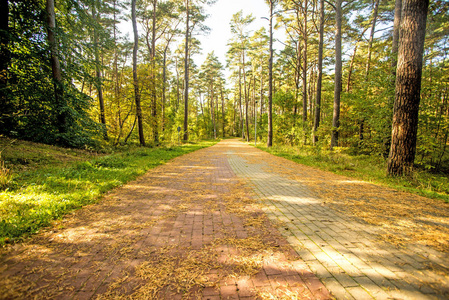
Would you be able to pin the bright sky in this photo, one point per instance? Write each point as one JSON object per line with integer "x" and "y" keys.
{"x": 220, "y": 15}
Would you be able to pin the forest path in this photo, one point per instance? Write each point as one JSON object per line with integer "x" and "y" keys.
{"x": 195, "y": 228}
{"x": 187, "y": 229}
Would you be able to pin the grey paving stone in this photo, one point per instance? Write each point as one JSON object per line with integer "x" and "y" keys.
{"x": 337, "y": 289}
{"x": 346, "y": 252}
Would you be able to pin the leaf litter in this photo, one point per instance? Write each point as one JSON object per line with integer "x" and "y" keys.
{"x": 128, "y": 246}
{"x": 406, "y": 218}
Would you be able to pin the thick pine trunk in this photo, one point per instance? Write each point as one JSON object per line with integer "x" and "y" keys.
{"x": 135, "y": 79}
{"x": 408, "y": 87}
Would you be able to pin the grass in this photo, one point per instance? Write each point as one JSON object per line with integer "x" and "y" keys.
{"x": 49, "y": 182}
{"x": 365, "y": 167}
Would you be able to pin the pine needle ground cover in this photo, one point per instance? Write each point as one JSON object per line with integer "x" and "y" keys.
{"x": 186, "y": 229}
{"x": 368, "y": 168}
{"x": 48, "y": 182}
{"x": 357, "y": 186}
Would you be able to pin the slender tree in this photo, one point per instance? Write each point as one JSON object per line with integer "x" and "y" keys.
{"x": 396, "y": 26}
{"x": 316, "y": 123}
{"x": 272, "y": 4}
{"x": 56, "y": 68}
{"x": 408, "y": 87}
{"x": 186, "y": 74}
{"x": 135, "y": 78}
{"x": 371, "y": 37}
{"x": 338, "y": 75}
{"x": 5, "y": 60}
{"x": 98, "y": 73}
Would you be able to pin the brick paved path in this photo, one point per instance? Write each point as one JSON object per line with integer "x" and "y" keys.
{"x": 344, "y": 253}
{"x": 188, "y": 229}
{"x": 193, "y": 229}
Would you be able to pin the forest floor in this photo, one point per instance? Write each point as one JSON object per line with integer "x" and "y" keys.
{"x": 233, "y": 222}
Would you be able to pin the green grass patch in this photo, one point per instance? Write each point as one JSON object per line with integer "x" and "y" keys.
{"x": 365, "y": 167}
{"x": 46, "y": 189}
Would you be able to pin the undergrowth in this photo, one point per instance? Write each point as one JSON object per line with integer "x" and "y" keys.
{"x": 365, "y": 167}
{"x": 47, "y": 185}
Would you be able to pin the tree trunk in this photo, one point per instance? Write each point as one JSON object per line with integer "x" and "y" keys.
{"x": 240, "y": 104}
{"x": 222, "y": 111}
{"x": 153, "y": 77}
{"x": 316, "y": 124}
{"x": 396, "y": 26}
{"x": 186, "y": 75}
{"x": 394, "y": 62}
{"x": 212, "y": 110}
{"x": 246, "y": 98}
{"x": 261, "y": 89}
{"x": 338, "y": 67}
{"x": 6, "y": 109}
{"x": 371, "y": 38}
{"x": 270, "y": 80}
{"x": 178, "y": 94}
{"x": 408, "y": 87}
{"x": 164, "y": 88}
{"x": 116, "y": 79}
{"x": 61, "y": 116}
{"x": 368, "y": 65}
{"x": 304, "y": 76}
{"x": 99, "y": 79}
{"x": 135, "y": 79}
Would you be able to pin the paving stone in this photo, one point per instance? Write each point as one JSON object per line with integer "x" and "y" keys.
{"x": 337, "y": 289}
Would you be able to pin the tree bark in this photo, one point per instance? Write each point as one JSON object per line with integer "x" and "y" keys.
{"x": 304, "y": 76}
{"x": 99, "y": 77}
{"x": 61, "y": 116}
{"x": 408, "y": 87}
{"x": 316, "y": 123}
{"x": 240, "y": 104}
{"x": 371, "y": 38}
{"x": 222, "y": 111}
{"x": 245, "y": 94}
{"x": 6, "y": 121}
{"x": 212, "y": 110}
{"x": 186, "y": 75}
{"x": 396, "y": 26}
{"x": 270, "y": 80}
{"x": 135, "y": 78}
{"x": 116, "y": 78}
{"x": 153, "y": 77}
{"x": 337, "y": 84}
{"x": 394, "y": 62}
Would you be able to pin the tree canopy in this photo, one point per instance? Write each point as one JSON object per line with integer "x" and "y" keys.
{"x": 68, "y": 78}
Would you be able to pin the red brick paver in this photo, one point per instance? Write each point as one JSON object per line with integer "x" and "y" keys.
{"x": 187, "y": 229}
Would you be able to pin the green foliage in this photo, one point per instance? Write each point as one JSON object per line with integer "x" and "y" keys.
{"x": 31, "y": 87}
{"x": 49, "y": 191}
